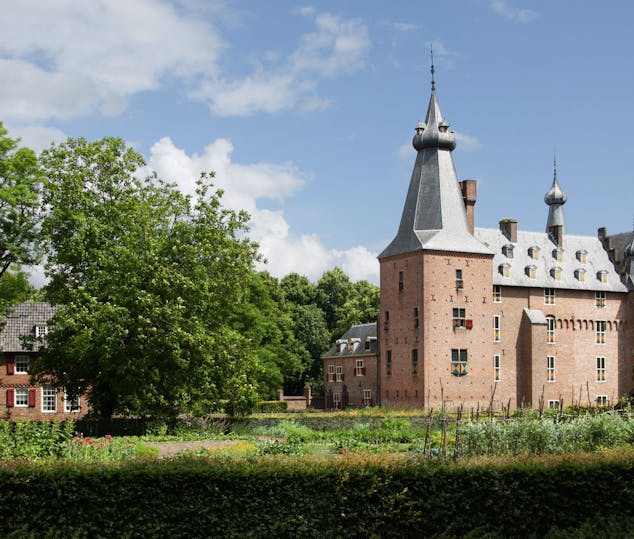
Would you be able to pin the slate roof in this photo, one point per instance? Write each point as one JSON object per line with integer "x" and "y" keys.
{"x": 535, "y": 316}
{"x": 597, "y": 260}
{"x": 21, "y": 320}
{"x": 362, "y": 332}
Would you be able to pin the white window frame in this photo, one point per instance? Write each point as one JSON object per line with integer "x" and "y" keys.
{"x": 21, "y": 393}
{"x": 550, "y": 330}
{"x": 41, "y": 331}
{"x": 600, "y": 299}
{"x": 71, "y": 405}
{"x": 459, "y": 317}
{"x": 601, "y": 400}
{"x": 459, "y": 361}
{"x": 21, "y": 365}
{"x": 496, "y": 367}
{"x": 601, "y": 327}
{"x": 554, "y": 404}
{"x": 359, "y": 366}
{"x": 549, "y": 296}
{"x": 336, "y": 400}
{"x": 550, "y": 369}
{"x": 331, "y": 373}
{"x": 497, "y": 293}
{"x": 497, "y": 332}
{"x": 48, "y": 393}
{"x": 367, "y": 397}
{"x": 338, "y": 373}
{"x": 600, "y": 369}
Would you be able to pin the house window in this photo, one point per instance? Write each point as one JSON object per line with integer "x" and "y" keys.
{"x": 401, "y": 284}
{"x": 553, "y": 404}
{"x": 504, "y": 269}
{"x": 459, "y": 318}
{"x": 496, "y": 368}
{"x": 459, "y": 281}
{"x": 388, "y": 362}
{"x": 550, "y": 369}
{"x": 458, "y": 362}
{"x": 558, "y": 254}
{"x": 41, "y": 331}
{"x": 550, "y": 330}
{"x": 580, "y": 274}
{"x": 416, "y": 320}
{"x": 531, "y": 271}
{"x": 21, "y": 365}
{"x": 387, "y": 321}
{"x": 331, "y": 373}
{"x": 21, "y": 398}
{"x": 359, "y": 367}
{"x": 367, "y": 397}
{"x": 533, "y": 252}
{"x": 600, "y": 331}
{"x": 70, "y": 405}
{"x": 497, "y": 293}
{"x": 414, "y": 360}
{"x": 336, "y": 400}
{"x": 339, "y": 373}
{"x": 582, "y": 256}
{"x": 602, "y": 400}
{"x": 602, "y": 276}
{"x": 49, "y": 399}
{"x": 600, "y": 369}
{"x": 507, "y": 250}
{"x": 599, "y": 298}
{"x": 496, "y": 328}
{"x": 555, "y": 273}
{"x": 549, "y": 296}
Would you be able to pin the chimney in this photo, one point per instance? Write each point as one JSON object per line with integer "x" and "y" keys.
{"x": 509, "y": 229}
{"x": 469, "y": 192}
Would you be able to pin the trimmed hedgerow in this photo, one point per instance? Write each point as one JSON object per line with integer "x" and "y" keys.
{"x": 353, "y": 496}
{"x": 272, "y": 407}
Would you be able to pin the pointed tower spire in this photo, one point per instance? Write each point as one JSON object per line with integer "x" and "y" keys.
{"x": 431, "y": 54}
{"x": 434, "y": 215}
{"x": 555, "y": 198}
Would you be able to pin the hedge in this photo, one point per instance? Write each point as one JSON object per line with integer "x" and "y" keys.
{"x": 352, "y": 496}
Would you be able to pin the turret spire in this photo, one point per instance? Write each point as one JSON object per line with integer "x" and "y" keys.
{"x": 555, "y": 198}
{"x": 431, "y": 54}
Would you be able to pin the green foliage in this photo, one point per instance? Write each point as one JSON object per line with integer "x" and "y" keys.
{"x": 15, "y": 287}
{"x": 267, "y": 407}
{"x": 34, "y": 439}
{"x": 147, "y": 280}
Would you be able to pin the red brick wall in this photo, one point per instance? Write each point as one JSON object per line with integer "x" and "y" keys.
{"x": 355, "y": 385}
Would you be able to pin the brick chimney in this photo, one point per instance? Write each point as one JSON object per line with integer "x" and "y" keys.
{"x": 469, "y": 192}
{"x": 509, "y": 229}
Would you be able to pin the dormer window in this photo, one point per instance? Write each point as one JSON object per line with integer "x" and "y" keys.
{"x": 580, "y": 274}
{"x": 504, "y": 269}
{"x": 41, "y": 331}
{"x": 558, "y": 254}
{"x": 533, "y": 252}
{"x": 602, "y": 276}
{"x": 582, "y": 256}
{"x": 507, "y": 250}
{"x": 555, "y": 273}
{"x": 531, "y": 271}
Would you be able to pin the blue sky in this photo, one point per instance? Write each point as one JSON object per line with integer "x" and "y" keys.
{"x": 306, "y": 110}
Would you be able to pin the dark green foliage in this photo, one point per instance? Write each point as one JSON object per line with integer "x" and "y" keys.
{"x": 271, "y": 407}
{"x": 34, "y": 439}
{"x": 302, "y": 497}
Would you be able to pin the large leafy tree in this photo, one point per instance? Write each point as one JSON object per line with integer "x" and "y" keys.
{"x": 146, "y": 280}
{"x": 361, "y": 307}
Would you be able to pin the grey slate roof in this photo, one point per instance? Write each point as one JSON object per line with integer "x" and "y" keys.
{"x": 597, "y": 260}
{"x": 535, "y": 316}
{"x": 362, "y": 332}
{"x": 434, "y": 216}
{"x": 21, "y": 320}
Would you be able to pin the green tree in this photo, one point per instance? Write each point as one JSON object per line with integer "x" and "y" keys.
{"x": 333, "y": 290}
{"x": 298, "y": 289}
{"x": 15, "y": 288}
{"x": 361, "y": 306}
{"x": 311, "y": 331}
{"x": 19, "y": 203}
{"x": 146, "y": 280}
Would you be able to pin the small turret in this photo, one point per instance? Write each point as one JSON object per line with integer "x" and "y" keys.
{"x": 555, "y": 198}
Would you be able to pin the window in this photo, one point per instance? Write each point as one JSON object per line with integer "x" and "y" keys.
{"x": 359, "y": 367}
{"x": 49, "y": 399}
{"x": 339, "y": 372}
{"x": 580, "y": 274}
{"x": 388, "y": 362}
{"x": 531, "y": 271}
{"x": 496, "y": 328}
{"x": 21, "y": 398}
{"x": 582, "y": 256}
{"x": 602, "y": 400}
{"x": 533, "y": 252}
{"x": 401, "y": 284}
{"x": 496, "y": 368}
{"x": 458, "y": 362}
{"x": 600, "y": 369}
{"x": 558, "y": 254}
{"x": 602, "y": 276}
{"x": 550, "y": 369}
{"x": 553, "y": 404}
{"x": 41, "y": 331}
{"x": 600, "y": 331}
{"x": 414, "y": 360}
{"x": 549, "y": 296}
{"x": 331, "y": 373}
{"x": 507, "y": 250}
{"x": 416, "y": 321}
{"x": 497, "y": 293}
{"x": 459, "y": 318}
{"x": 505, "y": 270}
{"x": 70, "y": 405}
{"x": 599, "y": 298}
{"x": 367, "y": 397}
{"x": 387, "y": 321}
{"x": 550, "y": 330}
{"x": 336, "y": 399}
{"x": 555, "y": 273}
{"x": 459, "y": 281}
{"x": 21, "y": 365}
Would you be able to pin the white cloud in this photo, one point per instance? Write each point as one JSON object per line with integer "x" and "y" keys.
{"x": 244, "y": 186}
{"x": 37, "y": 137}
{"x": 403, "y": 26}
{"x": 501, "y": 7}
{"x": 468, "y": 143}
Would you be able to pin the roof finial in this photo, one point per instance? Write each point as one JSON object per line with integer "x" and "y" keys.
{"x": 431, "y": 53}
{"x": 555, "y": 166}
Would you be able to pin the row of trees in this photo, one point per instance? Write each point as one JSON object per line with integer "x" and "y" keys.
{"x": 159, "y": 307}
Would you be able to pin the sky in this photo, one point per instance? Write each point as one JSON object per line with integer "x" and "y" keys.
{"x": 306, "y": 111}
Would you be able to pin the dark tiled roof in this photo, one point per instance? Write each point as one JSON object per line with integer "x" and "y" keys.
{"x": 21, "y": 320}
{"x": 362, "y": 332}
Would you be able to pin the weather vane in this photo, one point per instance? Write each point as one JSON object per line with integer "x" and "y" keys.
{"x": 431, "y": 53}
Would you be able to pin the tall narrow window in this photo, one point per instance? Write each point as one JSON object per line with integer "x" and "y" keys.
{"x": 388, "y": 362}
{"x": 497, "y": 293}
{"x": 600, "y": 369}
{"x": 49, "y": 399}
{"x": 600, "y": 331}
{"x": 359, "y": 368}
{"x": 550, "y": 369}
{"x": 339, "y": 372}
{"x": 331, "y": 373}
{"x": 550, "y": 330}
{"x": 458, "y": 362}
{"x": 71, "y": 405}
{"x": 401, "y": 283}
{"x": 496, "y": 368}
{"x": 459, "y": 281}
{"x": 387, "y": 320}
{"x": 21, "y": 397}
{"x": 336, "y": 400}
{"x": 496, "y": 328}
{"x": 367, "y": 397}
{"x": 416, "y": 320}
{"x": 549, "y": 296}
{"x": 599, "y": 298}
{"x": 414, "y": 360}
{"x": 459, "y": 318}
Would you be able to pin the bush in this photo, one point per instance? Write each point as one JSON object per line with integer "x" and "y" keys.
{"x": 272, "y": 407}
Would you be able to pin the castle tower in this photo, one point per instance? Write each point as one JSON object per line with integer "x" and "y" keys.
{"x": 555, "y": 199}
